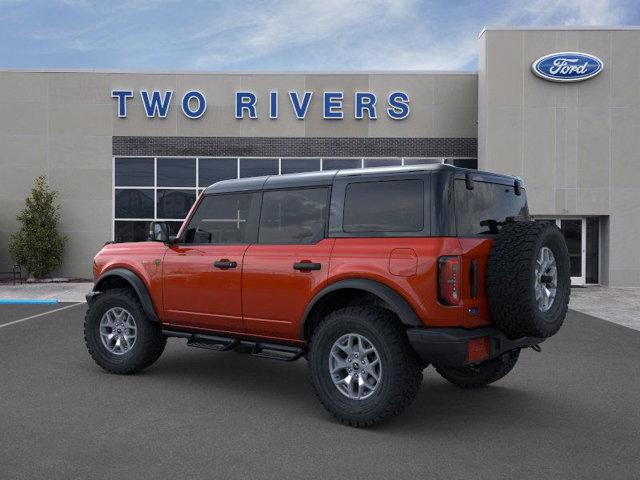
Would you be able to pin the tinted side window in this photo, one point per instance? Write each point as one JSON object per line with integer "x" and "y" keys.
{"x": 293, "y": 216}
{"x": 390, "y": 206}
{"x": 221, "y": 219}
{"x": 479, "y": 210}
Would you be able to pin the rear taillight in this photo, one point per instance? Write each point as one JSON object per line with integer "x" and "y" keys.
{"x": 449, "y": 280}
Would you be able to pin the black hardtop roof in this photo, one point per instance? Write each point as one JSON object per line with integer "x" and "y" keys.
{"x": 326, "y": 178}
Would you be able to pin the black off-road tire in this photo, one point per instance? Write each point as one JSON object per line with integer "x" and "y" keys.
{"x": 511, "y": 279}
{"x": 401, "y": 374}
{"x": 149, "y": 343}
{"x": 481, "y": 375}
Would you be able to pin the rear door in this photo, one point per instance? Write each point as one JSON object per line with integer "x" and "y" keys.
{"x": 202, "y": 273}
{"x": 289, "y": 263}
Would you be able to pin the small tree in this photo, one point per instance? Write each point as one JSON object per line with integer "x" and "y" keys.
{"x": 37, "y": 246}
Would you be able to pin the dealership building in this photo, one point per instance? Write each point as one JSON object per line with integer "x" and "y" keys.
{"x": 123, "y": 149}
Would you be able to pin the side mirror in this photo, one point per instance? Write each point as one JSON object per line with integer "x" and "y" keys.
{"x": 159, "y": 232}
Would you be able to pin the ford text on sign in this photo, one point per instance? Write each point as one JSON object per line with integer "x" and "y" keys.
{"x": 567, "y": 66}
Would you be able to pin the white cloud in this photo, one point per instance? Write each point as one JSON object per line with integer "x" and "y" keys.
{"x": 304, "y": 34}
{"x": 570, "y": 12}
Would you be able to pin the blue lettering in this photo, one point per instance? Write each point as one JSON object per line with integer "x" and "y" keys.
{"x": 300, "y": 109}
{"x": 122, "y": 96}
{"x": 156, "y": 105}
{"x": 273, "y": 105}
{"x": 365, "y": 101}
{"x": 246, "y": 101}
{"x": 398, "y": 105}
{"x": 332, "y": 105}
{"x": 200, "y": 100}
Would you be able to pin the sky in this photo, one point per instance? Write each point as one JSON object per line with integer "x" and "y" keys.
{"x": 277, "y": 35}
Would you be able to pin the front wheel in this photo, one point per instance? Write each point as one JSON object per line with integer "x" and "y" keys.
{"x": 480, "y": 375}
{"x": 118, "y": 334}
{"x": 362, "y": 366}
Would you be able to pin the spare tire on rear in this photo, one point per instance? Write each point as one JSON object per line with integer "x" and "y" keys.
{"x": 528, "y": 279}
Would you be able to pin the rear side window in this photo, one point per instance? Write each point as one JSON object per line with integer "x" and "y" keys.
{"x": 222, "y": 219}
{"x": 293, "y": 216}
{"x": 481, "y": 211}
{"x": 389, "y": 206}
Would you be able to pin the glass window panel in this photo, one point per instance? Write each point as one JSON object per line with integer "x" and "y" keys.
{"x": 212, "y": 170}
{"x": 176, "y": 172}
{"x": 221, "y": 219}
{"x": 174, "y": 227}
{"x": 593, "y": 238}
{"x": 299, "y": 165}
{"x": 482, "y": 210}
{"x": 293, "y": 216}
{"x": 258, "y": 167}
{"x": 134, "y": 203}
{"x": 338, "y": 163}
{"x": 134, "y": 172}
{"x": 129, "y": 231}
{"x": 399, "y": 206}
{"x": 572, "y": 230}
{"x": 421, "y": 161}
{"x": 175, "y": 203}
{"x": 381, "y": 162}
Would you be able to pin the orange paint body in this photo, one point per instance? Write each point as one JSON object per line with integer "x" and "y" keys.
{"x": 264, "y": 296}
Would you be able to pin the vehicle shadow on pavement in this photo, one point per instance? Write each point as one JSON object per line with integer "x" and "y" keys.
{"x": 439, "y": 406}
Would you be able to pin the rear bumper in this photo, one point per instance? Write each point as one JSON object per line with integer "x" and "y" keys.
{"x": 448, "y": 346}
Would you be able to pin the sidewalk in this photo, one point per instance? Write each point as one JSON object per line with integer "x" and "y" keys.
{"x": 63, "y": 292}
{"x": 615, "y": 304}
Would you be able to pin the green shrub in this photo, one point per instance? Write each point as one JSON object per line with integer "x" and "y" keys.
{"x": 37, "y": 246}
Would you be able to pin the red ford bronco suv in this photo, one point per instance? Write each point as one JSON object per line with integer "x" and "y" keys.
{"x": 371, "y": 275}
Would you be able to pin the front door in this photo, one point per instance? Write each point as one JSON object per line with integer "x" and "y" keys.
{"x": 290, "y": 262}
{"x": 202, "y": 272}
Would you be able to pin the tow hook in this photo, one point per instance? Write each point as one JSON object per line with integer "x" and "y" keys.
{"x": 536, "y": 348}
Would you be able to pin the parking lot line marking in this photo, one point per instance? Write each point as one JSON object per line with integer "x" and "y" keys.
{"x": 40, "y": 314}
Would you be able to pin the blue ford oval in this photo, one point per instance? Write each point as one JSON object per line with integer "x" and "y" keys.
{"x": 567, "y": 66}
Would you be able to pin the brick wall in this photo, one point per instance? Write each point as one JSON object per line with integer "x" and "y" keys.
{"x": 294, "y": 146}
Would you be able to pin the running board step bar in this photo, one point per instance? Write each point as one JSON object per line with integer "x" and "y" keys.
{"x": 275, "y": 351}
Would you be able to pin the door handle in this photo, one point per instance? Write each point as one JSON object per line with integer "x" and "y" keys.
{"x": 306, "y": 266}
{"x": 224, "y": 264}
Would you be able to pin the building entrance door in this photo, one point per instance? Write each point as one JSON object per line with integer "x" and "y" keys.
{"x": 574, "y": 230}
{"x": 582, "y": 237}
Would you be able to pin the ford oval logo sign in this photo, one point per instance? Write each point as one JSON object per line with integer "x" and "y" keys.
{"x": 567, "y": 66}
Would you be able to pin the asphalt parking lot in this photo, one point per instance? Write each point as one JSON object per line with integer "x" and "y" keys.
{"x": 572, "y": 411}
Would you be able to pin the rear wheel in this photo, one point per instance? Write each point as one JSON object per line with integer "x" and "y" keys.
{"x": 118, "y": 334}
{"x": 362, "y": 366}
{"x": 480, "y": 375}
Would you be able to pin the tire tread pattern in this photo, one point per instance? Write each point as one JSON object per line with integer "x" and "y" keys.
{"x": 405, "y": 385}
{"x": 486, "y": 373}
{"x": 509, "y": 280}
{"x": 152, "y": 345}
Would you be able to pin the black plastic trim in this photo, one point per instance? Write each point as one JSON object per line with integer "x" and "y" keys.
{"x": 137, "y": 284}
{"x": 398, "y": 304}
{"x": 448, "y": 346}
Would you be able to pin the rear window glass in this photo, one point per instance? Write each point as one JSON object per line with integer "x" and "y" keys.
{"x": 391, "y": 206}
{"x": 482, "y": 210}
{"x": 293, "y": 216}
